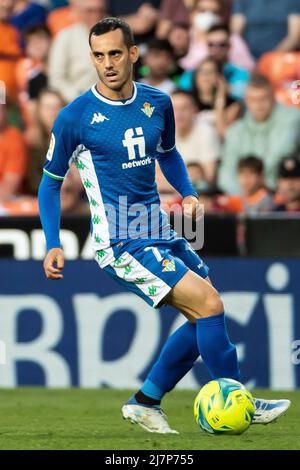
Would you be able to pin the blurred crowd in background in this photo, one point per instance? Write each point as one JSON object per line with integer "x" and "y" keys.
{"x": 231, "y": 67}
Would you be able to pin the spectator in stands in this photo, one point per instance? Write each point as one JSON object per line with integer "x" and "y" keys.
{"x": 13, "y": 158}
{"x": 170, "y": 199}
{"x": 227, "y": 9}
{"x": 141, "y": 15}
{"x": 39, "y": 135}
{"x": 218, "y": 42}
{"x": 268, "y": 130}
{"x": 57, "y": 3}
{"x": 255, "y": 196}
{"x": 283, "y": 70}
{"x": 267, "y": 25}
{"x": 159, "y": 62}
{"x": 27, "y": 14}
{"x": 73, "y": 202}
{"x": 63, "y": 17}
{"x": 9, "y": 49}
{"x": 70, "y": 70}
{"x": 179, "y": 39}
{"x": 171, "y": 12}
{"x": 289, "y": 185}
{"x": 189, "y": 4}
{"x": 205, "y": 15}
{"x": 31, "y": 71}
{"x": 196, "y": 141}
{"x": 208, "y": 192}
{"x": 197, "y": 175}
{"x": 211, "y": 93}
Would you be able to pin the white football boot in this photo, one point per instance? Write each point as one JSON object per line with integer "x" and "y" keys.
{"x": 267, "y": 411}
{"x": 150, "y": 418}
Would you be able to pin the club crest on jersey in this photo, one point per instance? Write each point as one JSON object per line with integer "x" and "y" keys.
{"x": 148, "y": 109}
{"x": 98, "y": 117}
{"x": 169, "y": 265}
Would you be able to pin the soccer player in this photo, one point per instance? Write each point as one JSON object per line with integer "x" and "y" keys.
{"x": 114, "y": 132}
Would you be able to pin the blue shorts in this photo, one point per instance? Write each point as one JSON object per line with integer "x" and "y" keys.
{"x": 151, "y": 268}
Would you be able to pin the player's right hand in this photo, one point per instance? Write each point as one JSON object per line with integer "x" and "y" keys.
{"x": 54, "y": 263}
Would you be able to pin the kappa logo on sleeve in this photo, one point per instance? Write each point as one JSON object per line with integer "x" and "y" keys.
{"x": 51, "y": 148}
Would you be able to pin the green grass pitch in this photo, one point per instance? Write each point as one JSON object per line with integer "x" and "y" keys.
{"x": 91, "y": 419}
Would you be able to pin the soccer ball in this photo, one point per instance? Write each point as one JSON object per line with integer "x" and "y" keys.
{"x": 224, "y": 406}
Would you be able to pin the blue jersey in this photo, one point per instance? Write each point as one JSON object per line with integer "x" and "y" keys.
{"x": 114, "y": 145}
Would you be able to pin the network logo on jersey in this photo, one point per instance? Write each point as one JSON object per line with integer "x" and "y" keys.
{"x": 134, "y": 141}
{"x": 98, "y": 117}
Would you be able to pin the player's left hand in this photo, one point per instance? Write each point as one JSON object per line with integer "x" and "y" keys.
{"x": 54, "y": 264}
{"x": 192, "y": 207}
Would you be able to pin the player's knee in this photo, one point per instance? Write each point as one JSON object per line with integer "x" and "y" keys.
{"x": 213, "y": 306}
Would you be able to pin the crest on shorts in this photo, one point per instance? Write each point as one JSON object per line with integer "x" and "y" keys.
{"x": 169, "y": 265}
{"x": 148, "y": 109}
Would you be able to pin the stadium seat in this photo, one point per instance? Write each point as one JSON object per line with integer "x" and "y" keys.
{"x": 282, "y": 69}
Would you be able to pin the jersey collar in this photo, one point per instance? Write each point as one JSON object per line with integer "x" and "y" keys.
{"x": 115, "y": 102}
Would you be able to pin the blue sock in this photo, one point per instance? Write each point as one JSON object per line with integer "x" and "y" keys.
{"x": 209, "y": 338}
{"x": 217, "y": 352}
{"x": 176, "y": 359}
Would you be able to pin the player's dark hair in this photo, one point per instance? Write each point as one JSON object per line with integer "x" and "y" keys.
{"x": 252, "y": 163}
{"x": 112, "y": 24}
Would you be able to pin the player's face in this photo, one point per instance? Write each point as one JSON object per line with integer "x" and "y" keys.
{"x": 112, "y": 59}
